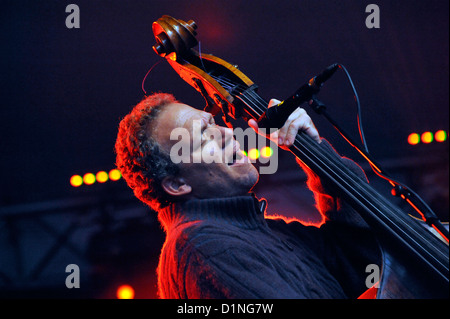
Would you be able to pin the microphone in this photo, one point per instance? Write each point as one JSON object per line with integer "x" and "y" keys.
{"x": 276, "y": 116}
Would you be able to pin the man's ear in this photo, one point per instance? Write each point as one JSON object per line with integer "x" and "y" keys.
{"x": 175, "y": 186}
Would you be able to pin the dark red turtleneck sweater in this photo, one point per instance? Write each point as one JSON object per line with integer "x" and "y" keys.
{"x": 226, "y": 248}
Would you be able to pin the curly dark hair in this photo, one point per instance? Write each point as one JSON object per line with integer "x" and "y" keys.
{"x": 139, "y": 158}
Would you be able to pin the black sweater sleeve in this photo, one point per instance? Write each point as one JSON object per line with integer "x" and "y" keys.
{"x": 349, "y": 244}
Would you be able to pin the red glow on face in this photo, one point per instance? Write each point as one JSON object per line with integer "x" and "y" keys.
{"x": 125, "y": 292}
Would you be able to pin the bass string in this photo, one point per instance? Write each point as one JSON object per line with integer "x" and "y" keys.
{"x": 364, "y": 190}
{"x": 241, "y": 91}
{"x": 263, "y": 103}
{"x": 407, "y": 228}
{"x": 253, "y": 100}
{"x": 375, "y": 195}
{"x": 258, "y": 105}
{"x": 313, "y": 147}
{"x": 251, "y": 104}
{"x": 231, "y": 86}
{"x": 337, "y": 166}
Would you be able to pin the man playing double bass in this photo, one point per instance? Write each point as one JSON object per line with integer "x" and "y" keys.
{"x": 219, "y": 243}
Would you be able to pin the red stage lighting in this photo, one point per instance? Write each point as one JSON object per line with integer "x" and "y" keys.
{"x": 253, "y": 154}
{"x": 89, "y": 179}
{"x": 102, "y": 176}
{"x": 440, "y": 136}
{"x": 413, "y": 138}
{"x": 76, "y": 180}
{"x": 114, "y": 175}
{"x": 427, "y": 137}
{"x": 125, "y": 292}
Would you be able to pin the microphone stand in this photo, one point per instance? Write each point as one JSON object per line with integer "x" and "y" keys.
{"x": 399, "y": 189}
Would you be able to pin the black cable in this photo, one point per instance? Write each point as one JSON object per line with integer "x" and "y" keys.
{"x": 358, "y": 104}
{"x": 401, "y": 190}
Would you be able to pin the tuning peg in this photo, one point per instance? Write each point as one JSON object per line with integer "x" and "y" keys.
{"x": 159, "y": 49}
{"x": 192, "y": 24}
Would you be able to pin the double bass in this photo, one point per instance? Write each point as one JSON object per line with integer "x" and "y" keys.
{"x": 415, "y": 260}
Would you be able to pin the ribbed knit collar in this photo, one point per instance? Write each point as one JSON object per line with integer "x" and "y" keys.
{"x": 242, "y": 211}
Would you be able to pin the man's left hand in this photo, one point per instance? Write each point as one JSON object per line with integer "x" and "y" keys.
{"x": 298, "y": 121}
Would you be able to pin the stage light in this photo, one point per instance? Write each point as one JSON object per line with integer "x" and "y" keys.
{"x": 125, "y": 292}
{"x": 253, "y": 154}
{"x": 102, "y": 176}
{"x": 114, "y": 174}
{"x": 266, "y": 152}
{"x": 440, "y": 136}
{"x": 89, "y": 178}
{"x": 76, "y": 180}
{"x": 427, "y": 137}
{"x": 414, "y": 138}
{"x": 244, "y": 152}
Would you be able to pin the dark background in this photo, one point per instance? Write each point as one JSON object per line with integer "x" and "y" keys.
{"x": 64, "y": 92}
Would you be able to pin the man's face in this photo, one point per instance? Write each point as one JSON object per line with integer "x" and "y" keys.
{"x": 216, "y": 167}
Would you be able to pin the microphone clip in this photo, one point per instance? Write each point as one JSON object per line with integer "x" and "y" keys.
{"x": 317, "y": 105}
